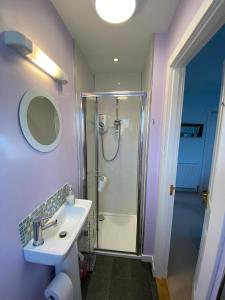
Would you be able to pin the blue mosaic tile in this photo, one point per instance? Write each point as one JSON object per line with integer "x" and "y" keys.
{"x": 46, "y": 209}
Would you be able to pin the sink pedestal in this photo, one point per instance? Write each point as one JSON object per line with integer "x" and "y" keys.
{"x": 58, "y": 252}
{"x": 70, "y": 266}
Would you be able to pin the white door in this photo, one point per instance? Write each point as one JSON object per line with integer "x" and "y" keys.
{"x": 213, "y": 235}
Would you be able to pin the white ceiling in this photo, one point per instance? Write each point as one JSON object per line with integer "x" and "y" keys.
{"x": 101, "y": 42}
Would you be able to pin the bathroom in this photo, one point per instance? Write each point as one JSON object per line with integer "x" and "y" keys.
{"x": 125, "y": 193}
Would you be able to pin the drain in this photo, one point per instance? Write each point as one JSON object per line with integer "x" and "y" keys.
{"x": 63, "y": 234}
{"x": 101, "y": 218}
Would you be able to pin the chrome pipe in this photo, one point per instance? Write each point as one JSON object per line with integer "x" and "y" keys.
{"x": 114, "y": 94}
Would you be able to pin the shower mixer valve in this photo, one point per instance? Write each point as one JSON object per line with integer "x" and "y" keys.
{"x": 102, "y": 123}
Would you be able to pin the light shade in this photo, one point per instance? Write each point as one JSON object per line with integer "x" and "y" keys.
{"x": 115, "y": 11}
{"x": 39, "y": 58}
{"x": 32, "y": 52}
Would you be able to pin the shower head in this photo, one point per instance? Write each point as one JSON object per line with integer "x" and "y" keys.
{"x": 117, "y": 123}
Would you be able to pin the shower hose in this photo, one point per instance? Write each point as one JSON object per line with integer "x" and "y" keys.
{"x": 117, "y": 150}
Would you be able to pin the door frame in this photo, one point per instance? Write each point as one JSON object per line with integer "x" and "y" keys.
{"x": 205, "y": 23}
{"x": 210, "y": 111}
{"x": 142, "y": 159}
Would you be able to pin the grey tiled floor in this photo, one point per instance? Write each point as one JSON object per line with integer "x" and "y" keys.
{"x": 119, "y": 279}
{"x": 188, "y": 217}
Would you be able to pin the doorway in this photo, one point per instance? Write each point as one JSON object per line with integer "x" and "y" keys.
{"x": 198, "y": 129}
{"x": 197, "y": 135}
{"x": 115, "y": 152}
{"x": 212, "y": 233}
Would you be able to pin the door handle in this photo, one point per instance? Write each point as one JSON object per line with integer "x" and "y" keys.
{"x": 172, "y": 189}
{"x": 205, "y": 196}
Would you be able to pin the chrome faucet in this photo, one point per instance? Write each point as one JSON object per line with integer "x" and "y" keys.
{"x": 38, "y": 228}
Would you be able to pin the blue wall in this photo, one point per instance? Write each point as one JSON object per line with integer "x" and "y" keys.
{"x": 202, "y": 92}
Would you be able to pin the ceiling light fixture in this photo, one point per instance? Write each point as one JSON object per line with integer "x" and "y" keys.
{"x": 115, "y": 11}
{"x": 33, "y": 53}
{"x": 115, "y": 59}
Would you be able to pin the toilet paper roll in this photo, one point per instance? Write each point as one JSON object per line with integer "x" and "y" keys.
{"x": 60, "y": 288}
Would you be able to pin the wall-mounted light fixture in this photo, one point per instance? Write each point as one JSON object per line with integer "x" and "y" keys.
{"x": 29, "y": 50}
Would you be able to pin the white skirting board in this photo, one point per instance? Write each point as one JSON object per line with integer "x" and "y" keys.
{"x": 149, "y": 259}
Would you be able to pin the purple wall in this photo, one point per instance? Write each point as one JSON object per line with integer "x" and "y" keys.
{"x": 165, "y": 43}
{"x": 28, "y": 177}
{"x": 154, "y": 142}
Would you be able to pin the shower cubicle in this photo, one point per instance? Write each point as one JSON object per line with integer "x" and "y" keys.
{"x": 115, "y": 155}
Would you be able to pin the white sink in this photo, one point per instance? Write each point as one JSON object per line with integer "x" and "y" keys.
{"x": 71, "y": 219}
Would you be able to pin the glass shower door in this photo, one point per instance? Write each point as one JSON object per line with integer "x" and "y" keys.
{"x": 118, "y": 140}
{"x": 114, "y": 168}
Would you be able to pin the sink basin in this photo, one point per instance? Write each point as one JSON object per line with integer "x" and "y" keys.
{"x": 59, "y": 239}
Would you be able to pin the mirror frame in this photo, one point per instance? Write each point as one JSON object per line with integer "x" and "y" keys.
{"x": 23, "y": 108}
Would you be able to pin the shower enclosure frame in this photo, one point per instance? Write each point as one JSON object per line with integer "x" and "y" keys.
{"x": 142, "y": 161}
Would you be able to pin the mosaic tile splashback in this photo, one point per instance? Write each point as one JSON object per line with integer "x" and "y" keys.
{"x": 46, "y": 209}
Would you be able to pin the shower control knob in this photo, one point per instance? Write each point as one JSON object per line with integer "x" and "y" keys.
{"x": 102, "y": 123}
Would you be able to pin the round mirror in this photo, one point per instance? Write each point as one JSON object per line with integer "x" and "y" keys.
{"x": 40, "y": 120}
